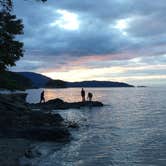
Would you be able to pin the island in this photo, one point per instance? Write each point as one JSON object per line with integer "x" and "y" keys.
{"x": 28, "y": 80}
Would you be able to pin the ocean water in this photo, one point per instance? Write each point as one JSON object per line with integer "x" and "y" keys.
{"x": 130, "y": 130}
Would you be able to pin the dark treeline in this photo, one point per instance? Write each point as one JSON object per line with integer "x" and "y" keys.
{"x": 10, "y": 49}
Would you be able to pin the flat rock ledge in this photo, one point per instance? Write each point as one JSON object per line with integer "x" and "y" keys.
{"x": 60, "y": 104}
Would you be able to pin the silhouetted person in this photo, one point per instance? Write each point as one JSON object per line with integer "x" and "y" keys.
{"x": 42, "y": 98}
{"x": 83, "y": 95}
{"x": 90, "y": 95}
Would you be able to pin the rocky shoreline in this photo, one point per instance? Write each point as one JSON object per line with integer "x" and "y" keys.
{"x": 17, "y": 120}
{"x": 20, "y": 121}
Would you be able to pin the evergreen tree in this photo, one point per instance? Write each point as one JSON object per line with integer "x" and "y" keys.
{"x": 10, "y": 49}
{"x": 6, "y": 5}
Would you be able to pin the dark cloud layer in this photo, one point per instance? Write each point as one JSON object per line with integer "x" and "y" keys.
{"x": 140, "y": 33}
{"x": 96, "y": 34}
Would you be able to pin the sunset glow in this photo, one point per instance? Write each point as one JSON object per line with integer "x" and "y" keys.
{"x": 109, "y": 74}
{"x": 81, "y": 40}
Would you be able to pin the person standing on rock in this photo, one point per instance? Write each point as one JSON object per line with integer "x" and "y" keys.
{"x": 83, "y": 95}
{"x": 90, "y": 95}
{"x": 42, "y": 98}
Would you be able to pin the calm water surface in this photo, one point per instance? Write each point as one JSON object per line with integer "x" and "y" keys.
{"x": 129, "y": 131}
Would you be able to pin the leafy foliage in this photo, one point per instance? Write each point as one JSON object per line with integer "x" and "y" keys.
{"x": 6, "y": 5}
{"x": 10, "y": 49}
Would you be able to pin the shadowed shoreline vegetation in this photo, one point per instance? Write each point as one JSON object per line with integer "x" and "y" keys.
{"x": 14, "y": 81}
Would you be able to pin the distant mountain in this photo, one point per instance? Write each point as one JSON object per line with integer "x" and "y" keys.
{"x": 98, "y": 84}
{"x": 141, "y": 86}
{"x": 38, "y": 80}
{"x": 64, "y": 84}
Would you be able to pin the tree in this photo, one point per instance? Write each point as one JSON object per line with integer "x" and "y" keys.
{"x": 10, "y": 49}
{"x": 6, "y": 5}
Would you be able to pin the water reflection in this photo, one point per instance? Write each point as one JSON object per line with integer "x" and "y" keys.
{"x": 68, "y": 94}
{"x": 129, "y": 131}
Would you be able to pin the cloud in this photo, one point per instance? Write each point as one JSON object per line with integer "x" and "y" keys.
{"x": 66, "y": 35}
{"x": 93, "y": 37}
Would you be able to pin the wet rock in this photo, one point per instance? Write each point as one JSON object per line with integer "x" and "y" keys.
{"x": 39, "y": 118}
{"x": 32, "y": 153}
{"x": 11, "y": 150}
{"x": 72, "y": 125}
{"x": 13, "y": 102}
{"x": 18, "y": 121}
{"x": 60, "y": 104}
{"x": 47, "y": 134}
{"x": 58, "y": 134}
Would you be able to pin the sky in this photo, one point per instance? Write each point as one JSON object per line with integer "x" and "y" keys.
{"x": 112, "y": 40}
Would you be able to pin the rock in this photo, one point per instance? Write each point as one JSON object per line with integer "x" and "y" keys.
{"x": 60, "y": 104}
{"x": 55, "y": 102}
{"x": 58, "y": 134}
{"x": 11, "y": 150}
{"x": 32, "y": 153}
{"x": 34, "y": 126}
{"x": 17, "y": 120}
{"x": 39, "y": 118}
{"x": 87, "y": 104}
{"x": 13, "y": 102}
{"x": 72, "y": 125}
